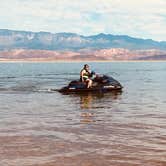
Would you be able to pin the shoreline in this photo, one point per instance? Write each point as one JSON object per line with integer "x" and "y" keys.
{"x": 77, "y": 61}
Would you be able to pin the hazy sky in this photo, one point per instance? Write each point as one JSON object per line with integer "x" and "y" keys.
{"x": 138, "y": 18}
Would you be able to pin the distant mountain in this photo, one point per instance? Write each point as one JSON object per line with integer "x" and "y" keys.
{"x": 41, "y": 46}
{"x": 10, "y": 39}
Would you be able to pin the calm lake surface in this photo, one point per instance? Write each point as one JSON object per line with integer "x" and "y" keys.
{"x": 39, "y": 127}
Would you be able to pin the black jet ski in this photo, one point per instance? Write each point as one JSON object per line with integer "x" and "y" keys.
{"x": 101, "y": 83}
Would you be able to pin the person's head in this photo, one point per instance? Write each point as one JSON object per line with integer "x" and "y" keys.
{"x": 86, "y": 66}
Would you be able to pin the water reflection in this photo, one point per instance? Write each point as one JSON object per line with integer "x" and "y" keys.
{"x": 86, "y": 101}
{"x": 90, "y": 103}
{"x": 94, "y": 100}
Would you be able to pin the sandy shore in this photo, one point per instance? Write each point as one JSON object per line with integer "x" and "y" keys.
{"x": 71, "y": 61}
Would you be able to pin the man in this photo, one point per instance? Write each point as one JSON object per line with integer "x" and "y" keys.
{"x": 85, "y": 75}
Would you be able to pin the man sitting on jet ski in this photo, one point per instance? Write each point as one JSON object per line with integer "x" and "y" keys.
{"x": 101, "y": 83}
{"x": 85, "y": 75}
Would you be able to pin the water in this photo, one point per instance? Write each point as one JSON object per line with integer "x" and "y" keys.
{"x": 41, "y": 127}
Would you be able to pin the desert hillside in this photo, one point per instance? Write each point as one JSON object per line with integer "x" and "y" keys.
{"x": 114, "y": 54}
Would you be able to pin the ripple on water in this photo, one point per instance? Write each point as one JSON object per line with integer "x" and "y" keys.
{"x": 38, "y": 127}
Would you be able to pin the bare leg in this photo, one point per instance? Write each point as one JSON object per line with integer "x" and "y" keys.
{"x": 89, "y": 83}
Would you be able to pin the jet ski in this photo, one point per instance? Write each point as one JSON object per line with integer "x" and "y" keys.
{"x": 101, "y": 83}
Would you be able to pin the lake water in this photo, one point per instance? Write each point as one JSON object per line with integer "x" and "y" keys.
{"x": 39, "y": 127}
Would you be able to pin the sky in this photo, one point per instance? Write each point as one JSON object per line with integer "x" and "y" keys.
{"x": 138, "y": 18}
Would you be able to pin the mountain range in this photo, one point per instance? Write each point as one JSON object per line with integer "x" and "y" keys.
{"x": 46, "y": 45}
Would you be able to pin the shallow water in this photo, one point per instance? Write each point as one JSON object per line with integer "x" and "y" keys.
{"x": 41, "y": 127}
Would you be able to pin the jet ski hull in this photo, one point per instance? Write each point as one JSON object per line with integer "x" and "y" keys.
{"x": 100, "y": 84}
